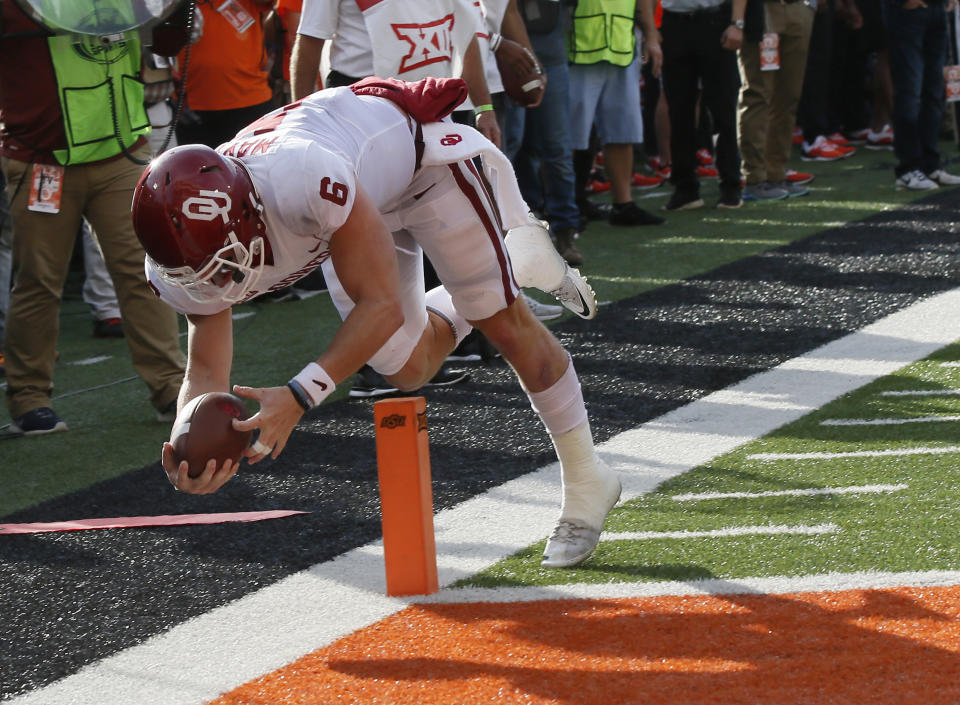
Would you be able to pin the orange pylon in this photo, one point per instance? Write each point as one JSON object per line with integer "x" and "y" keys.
{"x": 406, "y": 496}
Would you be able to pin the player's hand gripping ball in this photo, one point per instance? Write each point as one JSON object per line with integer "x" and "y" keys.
{"x": 204, "y": 430}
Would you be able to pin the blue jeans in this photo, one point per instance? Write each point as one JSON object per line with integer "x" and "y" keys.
{"x": 917, "y": 41}
{"x": 540, "y": 137}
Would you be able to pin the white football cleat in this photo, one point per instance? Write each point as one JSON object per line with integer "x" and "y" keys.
{"x": 536, "y": 263}
{"x": 573, "y": 540}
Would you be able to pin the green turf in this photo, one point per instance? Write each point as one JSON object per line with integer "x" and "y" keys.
{"x": 909, "y": 529}
{"x": 111, "y": 422}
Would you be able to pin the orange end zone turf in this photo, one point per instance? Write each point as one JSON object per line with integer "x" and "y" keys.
{"x": 883, "y": 647}
{"x": 406, "y": 496}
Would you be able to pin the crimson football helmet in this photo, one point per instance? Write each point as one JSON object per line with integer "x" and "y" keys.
{"x": 198, "y": 216}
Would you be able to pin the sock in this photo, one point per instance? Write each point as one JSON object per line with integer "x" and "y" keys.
{"x": 589, "y": 487}
{"x": 535, "y": 261}
{"x": 560, "y": 406}
{"x": 439, "y": 301}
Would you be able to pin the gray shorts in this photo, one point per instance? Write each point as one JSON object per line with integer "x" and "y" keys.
{"x": 609, "y": 96}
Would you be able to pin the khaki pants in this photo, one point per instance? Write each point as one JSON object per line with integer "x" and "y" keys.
{"x": 42, "y": 248}
{"x": 769, "y": 99}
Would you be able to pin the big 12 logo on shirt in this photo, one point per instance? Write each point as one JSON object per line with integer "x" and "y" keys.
{"x": 430, "y": 43}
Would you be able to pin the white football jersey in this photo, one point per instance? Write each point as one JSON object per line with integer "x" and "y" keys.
{"x": 305, "y": 161}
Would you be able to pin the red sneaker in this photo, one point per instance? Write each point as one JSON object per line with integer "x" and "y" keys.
{"x": 645, "y": 182}
{"x": 823, "y": 150}
{"x": 707, "y": 172}
{"x": 839, "y": 139}
{"x": 704, "y": 157}
{"x": 597, "y": 186}
{"x": 798, "y": 177}
{"x": 797, "y": 135}
{"x": 880, "y": 140}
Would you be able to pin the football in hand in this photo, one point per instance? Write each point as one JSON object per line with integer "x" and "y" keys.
{"x": 204, "y": 430}
{"x": 524, "y": 88}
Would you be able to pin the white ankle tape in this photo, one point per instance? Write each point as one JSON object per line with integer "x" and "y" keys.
{"x": 560, "y": 406}
{"x": 314, "y": 382}
{"x": 438, "y": 300}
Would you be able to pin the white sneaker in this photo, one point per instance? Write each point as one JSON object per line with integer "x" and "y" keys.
{"x": 544, "y": 312}
{"x": 573, "y": 540}
{"x": 944, "y": 178}
{"x": 916, "y": 180}
{"x": 576, "y": 294}
{"x": 537, "y": 264}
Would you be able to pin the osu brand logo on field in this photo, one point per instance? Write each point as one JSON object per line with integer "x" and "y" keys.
{"x": 207, "y": 206}
{"x": 393, "y": 421}
{"x": 429, "y": 43}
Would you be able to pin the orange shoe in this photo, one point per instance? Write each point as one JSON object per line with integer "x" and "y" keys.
{"x": 597, "y": 186}
{"x": 880, "y": 140}
{"x": 798, "y": 177}
{"x": 823, "y": 150}
{"x": 839, "y": 139}
{"x": 707, "y": 172}
{"x": 645, "y": 182}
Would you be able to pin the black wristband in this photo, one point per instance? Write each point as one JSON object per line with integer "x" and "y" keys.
{"x": 299, "y": 394}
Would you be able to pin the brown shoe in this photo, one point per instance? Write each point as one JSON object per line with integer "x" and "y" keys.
{"x": 566, "y": 247}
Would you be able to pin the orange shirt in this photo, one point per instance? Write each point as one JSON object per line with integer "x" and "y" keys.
{"x": 228, "y": 67}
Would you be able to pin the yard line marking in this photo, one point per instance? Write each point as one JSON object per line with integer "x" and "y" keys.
{"x": 303, "y": 612}
{"x": 91, "y": 360}
{"x": 887, "y": 422}
{"x": 919, "y": 392}
{"x": 804, "y": 492}
{"x": 776, "y": 585}
{"x": 855, "y": 454}
{"x": 719, "y": 533}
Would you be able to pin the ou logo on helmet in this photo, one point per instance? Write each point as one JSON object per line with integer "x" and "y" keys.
{"x": 207, "y": 206}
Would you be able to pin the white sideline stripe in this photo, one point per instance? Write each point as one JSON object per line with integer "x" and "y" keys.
{"x": 719, "y": 533}
{"x": 919, "y": 392}
{"x": 308, "y": 610}
{"x": 954, "y": 363}
{"x": 855, "y": 454}
{"x": 91, "y": 360}
{"x": 777, "y": 585}
{"x": 803, "y": 492}
{"x": 887, "y": 422}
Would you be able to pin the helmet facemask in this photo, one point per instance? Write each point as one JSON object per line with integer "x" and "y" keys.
{"x": 228, "y": 276}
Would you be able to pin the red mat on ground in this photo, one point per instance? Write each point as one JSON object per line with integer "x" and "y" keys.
{"x": 132, "y": 522}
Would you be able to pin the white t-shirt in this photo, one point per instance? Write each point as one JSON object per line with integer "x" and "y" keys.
{"x": 342, "y": 22}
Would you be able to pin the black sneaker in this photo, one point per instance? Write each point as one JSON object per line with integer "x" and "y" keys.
{"x": 108, "y": 328}
{"x": 37, "y": 422}
{"x": 730, "y": 198}
{"x": 370, "y": 383}
{"x": 474, "y": 348}
{"x": 630, "y": 213}
{"x": 591, "y": 210}
{"x": 681, "y": 200}
{"x": 445, "y": 377}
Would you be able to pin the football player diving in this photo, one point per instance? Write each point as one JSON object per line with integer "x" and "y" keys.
{"x": 361, "y": 181}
